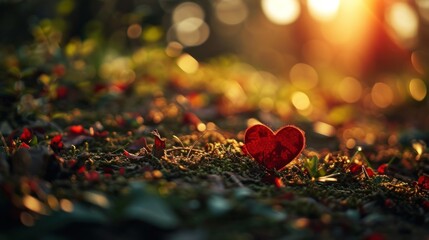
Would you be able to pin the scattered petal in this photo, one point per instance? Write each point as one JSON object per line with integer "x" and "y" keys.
{"x": 26, "y": 135}
{"x": 131, "y": 156}
{"x": 382, "y": 169}
{"x": 159, "y": 147}
{"x": 76, "y": 130}
{"x": 57, "y": 143}
{"x": 423, "y": 182}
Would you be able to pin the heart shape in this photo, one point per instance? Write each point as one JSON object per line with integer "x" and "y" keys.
{"x": 274, "y": 150}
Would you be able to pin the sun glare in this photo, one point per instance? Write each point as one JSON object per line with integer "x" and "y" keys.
{"x": 323, "y": 10}
{"x": 281, "y": 12}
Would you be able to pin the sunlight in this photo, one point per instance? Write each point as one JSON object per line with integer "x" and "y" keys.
{"x": 187, "y": 63}
{"x": 281, "y": 12}
{"x": 323, "y": 10}
{"x": 417, "y": 89}
{"x": 404, "y": 22}
{"x": 300, "y": 100}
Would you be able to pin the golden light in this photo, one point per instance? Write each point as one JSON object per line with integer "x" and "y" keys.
{"x": 281, "y": 12}
{"x": 66, "y": 205}
{"x": 201, "y": 127}
{"x": 350, "y": 90}
{"x": 191, "y": 32}
{"x": 423, "y": 6}
{"x": 324, "y": 129}
{"x": 187, "y": 10}
{"x": 300, "y": 101}
{"x": 266, "y": 104}
{"x": 418, "y": 89}
{"x": 52, "y": 202}
{"x": 96, "y": 199}
{"x": 404, "y": 21}
{"x": 189, "y": 27}
{"x": 419, "y": 147}
{"x": 303, "y": 76}
{"x": 34, "y": 205}
{"x": 252, "y": 122}
{"x": 325, "y": 10}
{"x": 235, "y": 93}
{"x": 382, "y": 95}
{"x": 350, "y": 143}
{"x": 187, "y": 63}
{"x": 317, "y": 52}
{"x": 231, "y": 12}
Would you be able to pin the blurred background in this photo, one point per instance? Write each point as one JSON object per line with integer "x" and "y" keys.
{"x": 328, "y": 62}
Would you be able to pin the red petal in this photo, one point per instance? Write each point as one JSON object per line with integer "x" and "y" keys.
{"x": 382, "y": 168}
{"x": 76, "y": 130}
{"x": 355, "y": 169}
{"x": 159, "y": 146}
{"x": 26, "y": 135}
{"x": 423, "y": 182}
{"x": 24, "y": 145}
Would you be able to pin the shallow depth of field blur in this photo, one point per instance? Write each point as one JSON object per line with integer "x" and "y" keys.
{"x": 123, "y": 119}
{"x": 325, "y": 63}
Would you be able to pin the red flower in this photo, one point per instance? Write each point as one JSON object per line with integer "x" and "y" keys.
{"x": 57, "y": 143}
{"x": 76, "y": 130}
{"x": 423, "y": 182}
{"x": 383, "y": 168}
{"x": 122, "y": 171}
{"x": 26, "y": 135}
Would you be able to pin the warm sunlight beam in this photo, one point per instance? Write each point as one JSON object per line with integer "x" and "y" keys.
{"x": 281, "y": 12}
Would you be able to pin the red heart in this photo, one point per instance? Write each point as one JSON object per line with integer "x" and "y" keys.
{"x": 274, "y": 149}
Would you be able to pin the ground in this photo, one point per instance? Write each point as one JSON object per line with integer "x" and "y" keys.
{"x": 163, "y": 155}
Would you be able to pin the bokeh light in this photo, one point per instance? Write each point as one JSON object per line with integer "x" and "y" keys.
{"x": 382, "y": 95}
{"x": 350, "y": 90}
{"x": 187, "y": 63}
{"x": 323, "y": 10}
{"x": 231, "y": 12}
{"x": 404, "y": 22}
{"x": 300, "y": 101}
{"x": 187, "y": 10}
{"x": 281, "y": 12}
{"x": 189, "y": 27}
{"x": 303, "y": 76}
{"x": 134, "y": 31}
{"x": 423, "y": 7}
{"x": 418, "y": 89}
